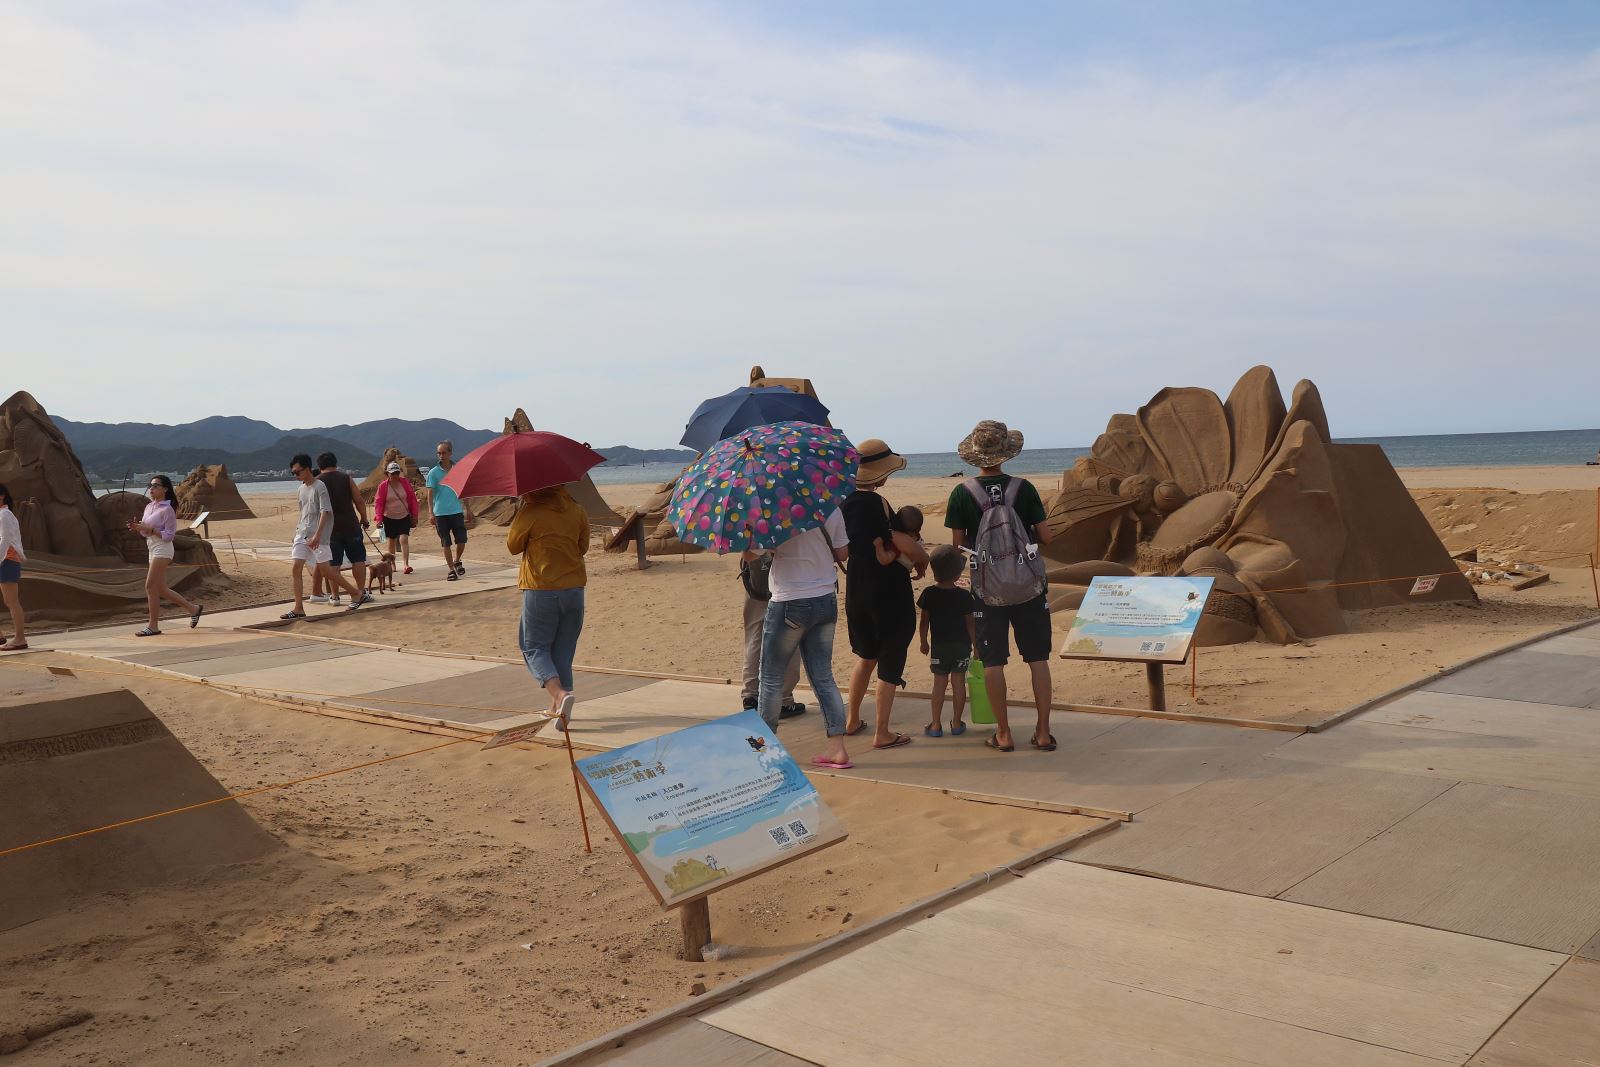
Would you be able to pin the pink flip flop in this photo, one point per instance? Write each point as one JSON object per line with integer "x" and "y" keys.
{"x": 832, "y": 765}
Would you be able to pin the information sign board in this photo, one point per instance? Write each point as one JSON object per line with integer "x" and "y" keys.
{"x": 1144, "y": 619}
{"x": 1425, "y": 585}
{"x": 701, "y": 808}
{"x": 517, "y": 733}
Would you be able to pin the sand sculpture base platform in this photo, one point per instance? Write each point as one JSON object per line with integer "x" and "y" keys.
{"x": 76, "y": 754}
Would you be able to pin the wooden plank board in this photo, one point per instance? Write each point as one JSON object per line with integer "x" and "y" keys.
{"x": 1510, "y": 864}
{"x": 1547, "y": 725}
{"x": 650, "y": 710}
{"x": 156, "y": 652}
{"x": 1591, "y": 948}
{"x": 1568, "y": 645}
{"x": 1455, "y": 756}
{"x": 1263, "y": 827}
{"x": 1539, "y": 677}
{"x": 693, "y": 1042}
{"x": 1588, "y": 633}
{"x": 1559, "y": 1027}
{"x": 1121, "y": 969}
{"x": 300, "y": 654}
{"x": 361, "y": 673}
{"x": 507, "y": 687}
{"x": 1103, "y": 761}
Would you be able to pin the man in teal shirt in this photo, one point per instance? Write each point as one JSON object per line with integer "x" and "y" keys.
{"x": 449, "y": 517}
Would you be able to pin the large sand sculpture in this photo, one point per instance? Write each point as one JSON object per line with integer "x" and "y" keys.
{"x": 409, "y": 470}
{"x": 209, "y": 489}
{"x": 660, "y": 539}
{"x": 1294, "y": 528}
{"x": 76, "y": 754}
{"x": 81, "y": 563}
{"x": 498, "y": 510}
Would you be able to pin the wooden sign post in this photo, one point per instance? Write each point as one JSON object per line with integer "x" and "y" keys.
{"x": 706, "y": 807}
{"x": 1140, "y": 620}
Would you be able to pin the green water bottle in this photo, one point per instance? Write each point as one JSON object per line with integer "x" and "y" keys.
{"x": 978, "y": 709}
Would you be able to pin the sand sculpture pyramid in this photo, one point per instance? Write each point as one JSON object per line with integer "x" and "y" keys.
{"x": 77, "y": 754}
{"x": 209, "y": 489}
{"x": 1294, "y": 528}
{"x": 81, "y": 562}
{"x": 409, "y": 470}
{"x": 650, "y": 518}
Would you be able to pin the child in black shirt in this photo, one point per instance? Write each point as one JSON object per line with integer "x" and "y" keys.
{"x": 947, "y": 613}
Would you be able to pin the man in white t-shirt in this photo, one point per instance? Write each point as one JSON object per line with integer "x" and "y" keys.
{"x": 311, "y": 538}
{"x": 801, "y": 615}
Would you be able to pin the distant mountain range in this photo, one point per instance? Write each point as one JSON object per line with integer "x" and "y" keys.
{"x": 110, "y": 449}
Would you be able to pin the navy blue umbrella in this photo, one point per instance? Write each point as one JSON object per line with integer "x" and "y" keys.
{"x": 723, "y": 416}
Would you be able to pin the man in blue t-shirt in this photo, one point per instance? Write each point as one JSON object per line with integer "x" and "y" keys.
{"x": 449, "y": 517}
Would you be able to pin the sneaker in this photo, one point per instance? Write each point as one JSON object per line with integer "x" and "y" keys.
{"x": 318, "y": 598}
{"x": 334, "y": 599}
{"x": 789, "y": 711}
{"x": 365, "y": 598}
{"x": 750, "y": 703}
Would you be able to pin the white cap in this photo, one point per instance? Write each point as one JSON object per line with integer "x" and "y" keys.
{"x": 395, "y": 468}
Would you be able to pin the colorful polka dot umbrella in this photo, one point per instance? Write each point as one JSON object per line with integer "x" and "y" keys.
{"x": 762, "y": 486}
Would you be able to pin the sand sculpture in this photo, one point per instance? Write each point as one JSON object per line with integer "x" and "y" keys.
{"x": 660, "y": 539}
{"x": 409, "y": 470}
{"x": 1255, "y": 495}
{"x": 76, "y": 753}
{"x": 209, "y": 489}
{"x": 81, "y": 561}
{"x": 498, "y": 510}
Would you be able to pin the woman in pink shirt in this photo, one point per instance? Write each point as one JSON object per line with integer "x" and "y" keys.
{"x": 396, "y": 506}
{"x": 159, "y": 526}
{"x": 11, "y": 559}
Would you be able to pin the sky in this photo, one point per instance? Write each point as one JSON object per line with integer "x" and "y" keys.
{"x": 316, "y": 213}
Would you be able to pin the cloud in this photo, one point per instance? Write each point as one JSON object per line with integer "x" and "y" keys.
{"x": 604, "y": 213}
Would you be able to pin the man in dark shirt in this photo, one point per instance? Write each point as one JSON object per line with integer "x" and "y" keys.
{"x": 988, "y": 447}
{"x": 345, "y": 540}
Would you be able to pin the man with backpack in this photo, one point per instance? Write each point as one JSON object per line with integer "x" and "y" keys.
{"x": 757, "y": 594}
{"x": 999, "y": 522}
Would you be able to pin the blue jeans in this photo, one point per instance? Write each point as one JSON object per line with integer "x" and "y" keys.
{"x": 806, "y": 625}
{"x": 552, "y": 619}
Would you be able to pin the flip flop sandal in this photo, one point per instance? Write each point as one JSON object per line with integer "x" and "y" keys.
{"x": 928, "y": 731}
{"x": 564, "y": 712}
{"x": 147, "y": 632}
{"x": 1048, "y": 746}
{"x": 992, "y": 741}
{"x": 13, "y": 647}
{"x": 291, "y": 615}
{"x": 832, "y": 765}
{"x": 861, "y": 727}
{"x": 957, "y": 729}
{"x": 899, "y": 739}
{"x": 194, "y": 620}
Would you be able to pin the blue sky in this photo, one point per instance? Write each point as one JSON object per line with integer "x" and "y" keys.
{"x": 319, "y": 212}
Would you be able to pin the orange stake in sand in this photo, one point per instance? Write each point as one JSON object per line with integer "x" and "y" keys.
{"x": 577, "y": 787}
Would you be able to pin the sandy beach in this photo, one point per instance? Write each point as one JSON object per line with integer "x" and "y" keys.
{"x": 441, "y": 906}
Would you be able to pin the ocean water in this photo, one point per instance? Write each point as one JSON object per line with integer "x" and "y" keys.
{"x": 1534, "y": 448}
{"x": 1537, "y": 448}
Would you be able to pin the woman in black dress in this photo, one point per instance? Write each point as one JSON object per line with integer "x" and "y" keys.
{"x": 880, "y": 611}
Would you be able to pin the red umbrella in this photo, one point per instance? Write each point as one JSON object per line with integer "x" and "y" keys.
{"x": 518, "y": 463}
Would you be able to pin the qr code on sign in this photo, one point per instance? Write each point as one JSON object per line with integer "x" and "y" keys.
{"x": 798, "y": 829}
{"x": 779, "y": 835}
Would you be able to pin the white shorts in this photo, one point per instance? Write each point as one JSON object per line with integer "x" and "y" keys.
{"x": 321, "y": 554}
{"x": 161, "y": 549}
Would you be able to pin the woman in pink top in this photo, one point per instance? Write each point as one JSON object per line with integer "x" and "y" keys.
{"x": 11, "y": 558}
{"x": 396, "y": 505}
{"x": 159, "y": 526}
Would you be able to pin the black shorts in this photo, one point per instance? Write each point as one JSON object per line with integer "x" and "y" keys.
{"x": 881, "y": 628}
{"x": 352, "y": 547}
{"x": 394, "y": 528}
{"x": 1030, "y": 620}
{"x": 952, "y": 658}
{"x": 451, "y": 526}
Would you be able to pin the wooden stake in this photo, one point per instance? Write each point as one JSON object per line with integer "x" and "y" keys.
{"x": 577, "y": 787}
{"x": 1158, "y": 686}
{"x": 696, "y": 916}
{"x": 1194, "y": 675}
{"x": 1594, "y": 581}
{"x": 638, "y": 544}
{"x": 235, "y": 551}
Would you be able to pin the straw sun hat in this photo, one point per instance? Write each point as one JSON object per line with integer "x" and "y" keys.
{"x": 878, "y": 461}
{"x": 989, "y": 444}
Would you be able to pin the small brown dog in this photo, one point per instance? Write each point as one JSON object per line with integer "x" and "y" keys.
{"x": 381, "y": 574}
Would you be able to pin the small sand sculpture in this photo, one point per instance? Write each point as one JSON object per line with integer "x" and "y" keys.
{"x": 499, "y": 510}
{"x": 660, "y": 539}
{"x": 81, "y": 563}
{"x": 409, "y": 469}
{"x": 209, "y": 489}
{"x": 1255, "y": 495}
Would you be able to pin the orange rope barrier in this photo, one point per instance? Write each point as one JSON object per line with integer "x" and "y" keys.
{"x": 232, "y": 797}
